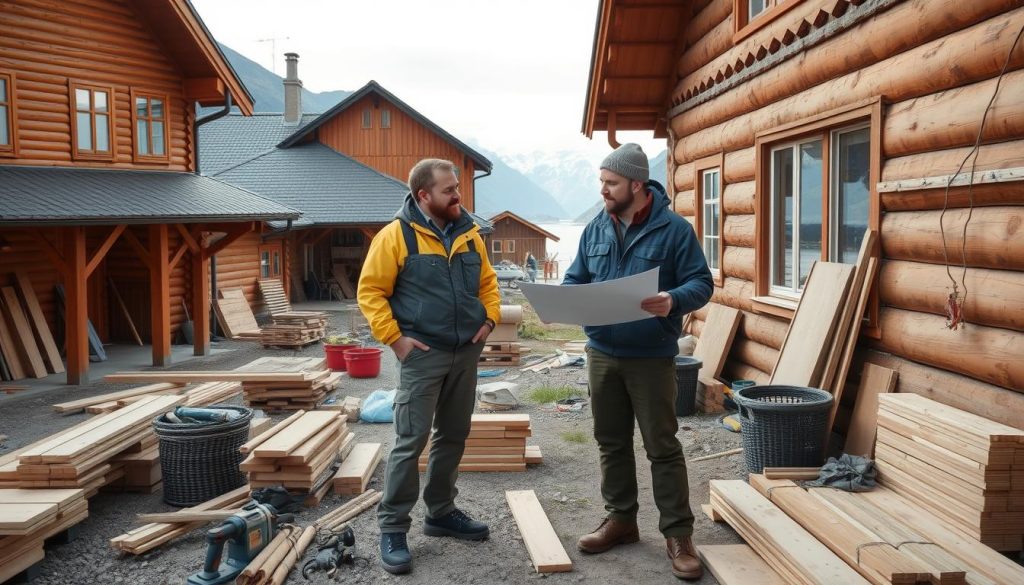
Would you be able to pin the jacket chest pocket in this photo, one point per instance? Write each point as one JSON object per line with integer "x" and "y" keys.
{"x": 649, "y": 257}
{"x": 470, "y": 269}
{"x": 599, "y": 259}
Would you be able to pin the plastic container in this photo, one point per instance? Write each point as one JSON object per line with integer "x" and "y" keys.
{"x": 336, "y": 355}
{"x": 363, "y": 362}
{"x": 687, "y": 369}
{"x": 783, "y": 426}
{"x": 729, "y": 403}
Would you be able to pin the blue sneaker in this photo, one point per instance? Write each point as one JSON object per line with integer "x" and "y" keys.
{"x": 394, "y": 553}
{"x": 457, "y": 525}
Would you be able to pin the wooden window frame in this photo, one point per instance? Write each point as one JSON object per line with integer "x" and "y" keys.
{"x": 9, "y": 150}
{"x": 271, "y": 249}
{"x": 743, "y": 26}
{"x": 867, "y": 111}
{"x": 385, "y": 118}
{"x": 510, "y": 246}
{"x": 496, "y": 246}
{"x": 149, "y": 96}
{"x": 77, "y": 153}
{"x": 715, "y": 161}
{"x": 367, "y": 121}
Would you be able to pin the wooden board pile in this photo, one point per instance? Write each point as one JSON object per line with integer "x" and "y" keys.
{"x": 299, "y": 384}
{"x": 235, "y": 315}
{"x": 80, "y": 457}
{"x": 27, "y": 348}
{"x": 502, "y": 347}
{"x": 357, "y": 468}
{"x": 294, "y": 329}
{"x": 963, "y": 468}
{"x": 140, "y": 464}
{"x": 28, "y": 518}
{"x": 497, "y": 442}
{"x": 274, "y": 297}
{"x": 299, "y": 453}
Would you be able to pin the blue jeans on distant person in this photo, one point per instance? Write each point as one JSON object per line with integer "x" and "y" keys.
{"x": 532, "y": 272}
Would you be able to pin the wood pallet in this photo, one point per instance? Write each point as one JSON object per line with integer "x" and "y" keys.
{"x": 274, "y": 297}
{"x": 496, "y": 442}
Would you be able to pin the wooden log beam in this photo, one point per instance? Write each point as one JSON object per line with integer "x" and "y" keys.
{"x": 160, "y": 297}
{"x": 739, "y": 262}
{"x": 76, "y": 329}
{"x": 736, "y": 370}
{"x": 738, "y": 230}
{"x": 763, "y": 329}
{"x": 984, "y": 353}
{"x": 101, "y": 252}
{"x": 952, "y": 118}
{"x": 944, "y": 163}
{"x": 754, "y": 354}
{"x": 235, "y": 232}
{"x": 738, "y": 198}
{"x": 684, "y": 202}
{"x": 978, "y": 195}
{"x": 190, "y": 239}
{"x": 141, "y": 251}
{"x": 51, "y": 251}
{"x": 920, "y": 71}
{"x": 994, "y": 237}
{"x": 996, "y": 297}
{"x": 714, "y": 21}
{"x": 739, "y": 166}
{"x": 954, "y": 389}
{"x": 683, "y": 178}
{"x": 735, "y": 293}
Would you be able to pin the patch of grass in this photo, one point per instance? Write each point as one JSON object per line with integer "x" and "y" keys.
{"x": 533, "y": 328}
{"x": 546, "y": 394}
{"x": 578, "y": 437}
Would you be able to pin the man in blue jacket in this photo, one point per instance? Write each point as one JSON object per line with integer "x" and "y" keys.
{"x": 631, "y": 366}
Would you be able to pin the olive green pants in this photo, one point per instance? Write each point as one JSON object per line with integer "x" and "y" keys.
{"x": 437, "y": 388}
{"x": 624, "y": 390}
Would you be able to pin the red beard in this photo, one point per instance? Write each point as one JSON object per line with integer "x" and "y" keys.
{"x": 447, "y": 212}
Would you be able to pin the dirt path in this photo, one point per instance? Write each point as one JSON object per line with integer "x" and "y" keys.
{"x": 567, "y": 485}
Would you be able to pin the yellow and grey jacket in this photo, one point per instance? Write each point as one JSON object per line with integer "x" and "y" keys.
{"x": 411, "y": 285}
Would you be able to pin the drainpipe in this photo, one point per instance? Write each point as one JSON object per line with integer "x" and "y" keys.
{"x": 195, "y": 153}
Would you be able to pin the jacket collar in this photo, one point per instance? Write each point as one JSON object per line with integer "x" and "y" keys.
{"x": 658, "y": 209}
{"x": 411, "y": 214}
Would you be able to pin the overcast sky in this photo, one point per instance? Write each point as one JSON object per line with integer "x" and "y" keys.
{"x": 510, "y": 74}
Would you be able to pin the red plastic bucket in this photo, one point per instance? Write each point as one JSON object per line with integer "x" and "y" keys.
{"x": 336, "y": 355}
{"x": 363, "y": 362}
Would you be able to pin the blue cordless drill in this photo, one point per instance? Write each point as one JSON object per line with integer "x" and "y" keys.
{"x": 247, "y": 533}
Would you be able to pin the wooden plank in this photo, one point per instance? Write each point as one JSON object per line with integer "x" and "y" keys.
{"x": 79, "y": 405}
{"x": 39, "y": 326}
{"x": 851, "y": 340}
{"x": 14, "y": 518}
{"x": 794, "y": 473}
{"x": 289, "y": 439}
{"x": 874, "y": 380}
{"x": 187, "y": 516}
{"x": 716, "y": 339}
{"x": 259, "y": 425}
{"x": 357, "y": 468}
{"x": 507, "y": 421}
{"x": 737, "y": 564}
{"x": 9, "y": 350}
{"x": 184, "y": 377}
{"x": 124, "y": 311}
{"x": 802, "y": 356}
{"x": 844, "y": 335}
{"x": 546, "y": 550}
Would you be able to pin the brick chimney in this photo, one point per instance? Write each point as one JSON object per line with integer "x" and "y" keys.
{"x": 292, "y": 90}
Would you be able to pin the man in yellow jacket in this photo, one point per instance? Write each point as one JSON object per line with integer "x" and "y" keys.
{"x": 429, "y": 292}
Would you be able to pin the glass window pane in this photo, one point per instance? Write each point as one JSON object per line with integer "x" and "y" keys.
{"x": 3, "y": 89}
{"x": 265, "y": 264}
{"x": 82, "y": 99}
{"x": 851, "y": 168}
{"x": 102, "y": 134}
{"x": 100, "y": 101}
{"x": 756, "y": 7}
{"x": 707, "y": 220}
{"x": 157, "y": 140}
{"x": 5, "y": 134}
{"x": 385, "y": 118}
{"x": 141, "y": 107}
{"x": 809, "y": 232}
{"x": 713, "y": 259}
{"x": 714, "y": 219}
{"x": 782, "y": 215}
{"x": 84, "y": 130}
{"x": 142, "y": 136}
{"x": 156, "y": 108}
{"x": 277, "y": 264}
{"x": 367, "y": 118}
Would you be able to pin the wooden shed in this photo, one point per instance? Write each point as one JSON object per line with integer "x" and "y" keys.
{"x": 97, "y": 183}
{"x": 513, "y": 237}
{"x": 797, "y": 125}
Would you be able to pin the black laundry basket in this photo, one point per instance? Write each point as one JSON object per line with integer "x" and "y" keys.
{"x": 783, "y": 426}
{"x": 687, "y": 369}
{"x": 200, "y": 461}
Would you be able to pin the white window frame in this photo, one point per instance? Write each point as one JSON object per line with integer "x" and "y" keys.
{"x": 796, "y": 290}
{"x": 750, "y": 9}
{"x": 495, "y": 246}
{"x": 510, "y": 246}
{"x": 711, "y": 224}
{"x": 385, "y": 118}
{"x": 833, "y": 188}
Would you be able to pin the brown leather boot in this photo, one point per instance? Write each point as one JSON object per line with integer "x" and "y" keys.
{"x": 685, "y": 563}
{"x": 610, "y": 533}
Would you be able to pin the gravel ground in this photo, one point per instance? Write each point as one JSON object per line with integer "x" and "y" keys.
{"x": 567, "y": 484}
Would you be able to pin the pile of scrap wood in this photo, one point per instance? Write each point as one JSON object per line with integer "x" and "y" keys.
{"x": 303, "y": 383}
{"x": 299, "y": 453}
{"x": 28, "y": 518}
{"x": 502, "y": 347}
{"x": 356, "y": 469}
{"x": 235, "y": 316}
{"x": 497, "y": 442}
{"x": 27, "y": 348}
{"x": 81, "y": 457}
{"x": 294, "y": 329}
{"x": 198, "y": 395}
{"x": 349, "y": 406}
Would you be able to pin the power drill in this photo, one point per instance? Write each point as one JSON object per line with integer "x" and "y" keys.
{"x": 248, "y": 532}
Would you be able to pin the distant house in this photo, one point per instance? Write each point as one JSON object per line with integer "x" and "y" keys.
{"x": 345, "y": 170}
{"x": 98, "y": 191}
{"x": 512, "y": 237}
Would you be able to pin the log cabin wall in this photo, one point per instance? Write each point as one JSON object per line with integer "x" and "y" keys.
{"x": 516, "y": 240}
{"x": 393, "y": 151}
{"x": 935, "y": 65}
{"x": 238, "y": 266}
{"x": 99, "y": 42}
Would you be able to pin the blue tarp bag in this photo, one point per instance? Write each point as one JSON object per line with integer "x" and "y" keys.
{"x": 377, "y": 408}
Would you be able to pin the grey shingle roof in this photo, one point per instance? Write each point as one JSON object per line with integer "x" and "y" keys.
{"x": 236, "y": 138}
{"x": 50, "y": 195}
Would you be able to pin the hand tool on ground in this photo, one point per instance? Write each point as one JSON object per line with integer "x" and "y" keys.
{"x": 246, "y": 533}
{"x": 334, "y": 550}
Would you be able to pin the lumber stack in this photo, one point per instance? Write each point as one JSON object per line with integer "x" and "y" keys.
{"x": 497, "y": 442}
{"x": 81, "y": 457}
{"x": 299, "y": 453}
{"x": 357, "y": 468}
{"x": 964, "y": 468}
{"x": 302, "y": 383}
{"x": 28, "y": 518}
{"x": 501, "y": 353}
{"x": 502, "y": 347}
{"x": 27, "y": 348}
{"x": 294, "y": 329}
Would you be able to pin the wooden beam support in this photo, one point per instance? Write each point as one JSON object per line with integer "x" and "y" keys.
{"x": 51, "y": 251}
{"x": 189, "y": 238}
{"x": 177, "y": 256}
{"x": 101, "y": 252}
{"x": 204, "y": 89}
{"x": 200, "y": 303}
{"x": 320, "y": 236}
{"x": 140, "y": 250}
{"x": 229, "y": 239}
{"x": 76, "y": 306}
{"x": 160, "y": 294}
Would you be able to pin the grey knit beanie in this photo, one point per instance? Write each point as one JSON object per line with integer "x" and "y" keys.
{"x": 629, "y": 161}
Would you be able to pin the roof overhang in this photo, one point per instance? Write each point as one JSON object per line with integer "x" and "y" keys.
{"x": 530, "y": 225}
{"x": 632, "y": 66}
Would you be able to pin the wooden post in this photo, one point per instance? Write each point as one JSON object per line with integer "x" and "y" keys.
{"x": 200, "y": 303}
{"x": 160, "y": 294}
{"x": 77, "y": 307}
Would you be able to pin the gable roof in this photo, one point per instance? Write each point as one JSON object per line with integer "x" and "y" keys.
{"x": 33, "y": 195}
{"x": 235, "y": 138}
{"x": 509, "y": 215}
{"x": 375, "y": 88}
